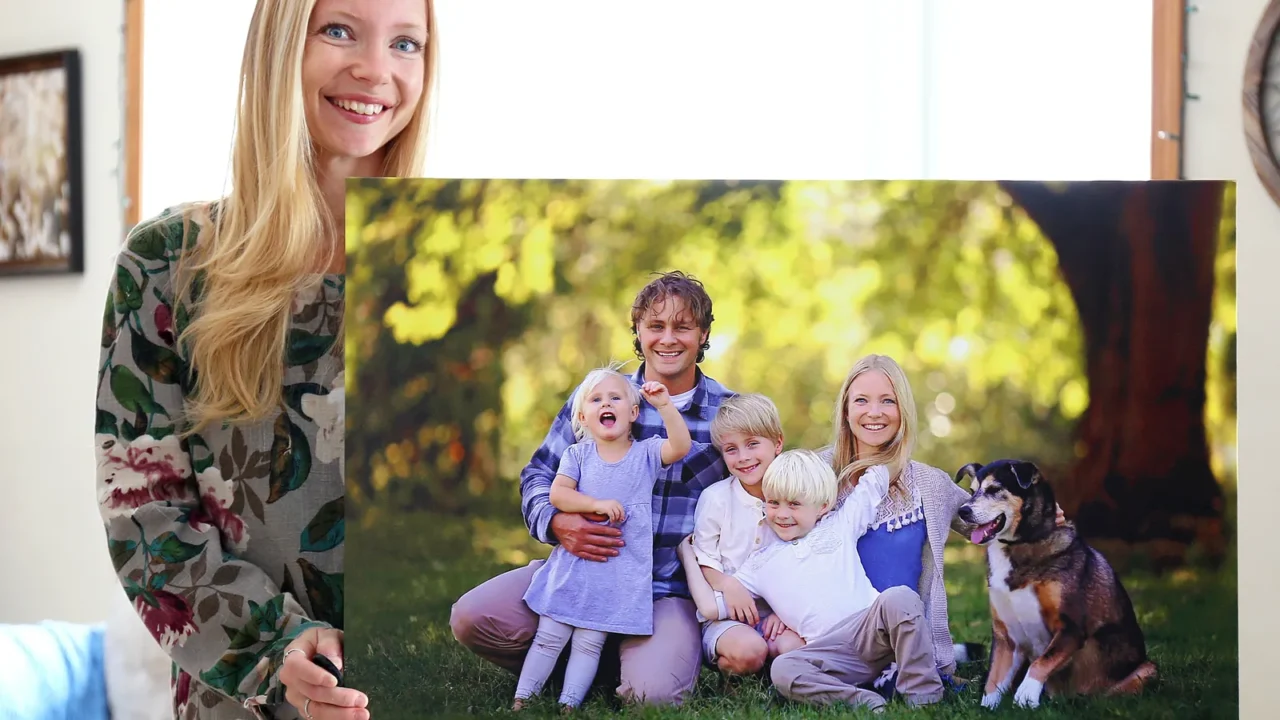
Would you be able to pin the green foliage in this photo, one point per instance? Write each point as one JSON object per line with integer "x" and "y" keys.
{"x": 476, "y": 306}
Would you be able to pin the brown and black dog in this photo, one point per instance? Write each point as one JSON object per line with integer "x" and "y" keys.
{"x": 1055, "y": 601}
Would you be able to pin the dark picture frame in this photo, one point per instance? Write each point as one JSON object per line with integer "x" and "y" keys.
{"x": 41, "y": 164}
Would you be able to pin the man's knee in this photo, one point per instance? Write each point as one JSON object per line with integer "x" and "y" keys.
{"x": 463, "y": 619}
{"x": 658, "y": 689}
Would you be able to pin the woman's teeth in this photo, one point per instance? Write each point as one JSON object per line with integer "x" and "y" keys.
{"x": 358, "y": 107}
{"x": 875, "y": 427}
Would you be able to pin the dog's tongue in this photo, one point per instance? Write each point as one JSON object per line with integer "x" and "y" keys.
{"x": 980, "y": 533}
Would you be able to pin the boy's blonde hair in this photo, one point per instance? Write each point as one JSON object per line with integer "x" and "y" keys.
{"x": 589, "y": 383}
{"x": 800, "y": 475}
{"x": 751, "y": 414}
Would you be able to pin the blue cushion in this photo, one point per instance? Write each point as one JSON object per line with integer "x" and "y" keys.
{"x": 52, "y": 671}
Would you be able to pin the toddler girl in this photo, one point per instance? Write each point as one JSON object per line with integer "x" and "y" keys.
{"x": 609, "y": 473}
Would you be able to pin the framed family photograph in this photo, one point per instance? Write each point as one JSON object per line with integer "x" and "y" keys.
{"x": 758, "y": 448}
{"x": 41, "y": 188}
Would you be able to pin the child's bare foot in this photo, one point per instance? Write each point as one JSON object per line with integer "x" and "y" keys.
{"x": 518, "y": 705}
{"x": 566, "y": 709}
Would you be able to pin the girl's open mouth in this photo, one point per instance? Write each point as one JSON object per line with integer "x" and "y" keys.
{"x": 608, "y": 419}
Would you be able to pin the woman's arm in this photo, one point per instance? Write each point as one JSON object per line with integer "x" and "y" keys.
{"x": 165, "y": 503}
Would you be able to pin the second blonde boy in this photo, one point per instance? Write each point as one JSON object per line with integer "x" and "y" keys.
{"x": 729, "y": 524}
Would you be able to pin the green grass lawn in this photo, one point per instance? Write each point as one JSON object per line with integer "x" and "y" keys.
{"x": 404, "y": 572}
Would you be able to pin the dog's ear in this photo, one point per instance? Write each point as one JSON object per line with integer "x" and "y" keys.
{"x": 970, "y": 470}
{"x": 1026, "y": 473}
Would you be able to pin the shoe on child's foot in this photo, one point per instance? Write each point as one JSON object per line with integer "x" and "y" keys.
{"x": 886, "y": 684}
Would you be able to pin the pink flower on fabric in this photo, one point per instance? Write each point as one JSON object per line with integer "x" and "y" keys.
{"x": 214, "y": 509}
{"x": 167, "y": 616}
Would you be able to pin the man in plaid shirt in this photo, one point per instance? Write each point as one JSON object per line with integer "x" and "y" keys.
{"x": 671, "y": 320}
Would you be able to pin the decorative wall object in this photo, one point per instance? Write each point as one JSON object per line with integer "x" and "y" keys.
{"x": 41, "y": 186}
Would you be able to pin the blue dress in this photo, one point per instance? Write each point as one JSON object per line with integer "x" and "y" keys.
{"x": 614, "y": 596}
{"x": 893, "y": 553}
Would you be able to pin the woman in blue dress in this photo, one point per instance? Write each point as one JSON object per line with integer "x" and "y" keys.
{"x": 875, "y": 424}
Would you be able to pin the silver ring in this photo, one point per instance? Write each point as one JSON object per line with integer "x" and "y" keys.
{"x": 287, "y": 653}
{"x": 306, "y": 709}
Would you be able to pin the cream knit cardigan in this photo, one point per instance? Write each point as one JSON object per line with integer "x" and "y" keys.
{"x": 942, "y": 499}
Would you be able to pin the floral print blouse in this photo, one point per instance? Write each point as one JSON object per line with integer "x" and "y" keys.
{"x": 229, "y": 543}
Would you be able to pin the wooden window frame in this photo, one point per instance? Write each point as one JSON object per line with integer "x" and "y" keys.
{"x": 133, "y": 22}
{"x": 1168, "y": 88}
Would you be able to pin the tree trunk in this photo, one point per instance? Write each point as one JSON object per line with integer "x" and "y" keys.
{"x": 1139, "y": 260}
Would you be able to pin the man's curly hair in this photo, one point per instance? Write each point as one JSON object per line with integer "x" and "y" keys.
{"x": 673, "y": 284}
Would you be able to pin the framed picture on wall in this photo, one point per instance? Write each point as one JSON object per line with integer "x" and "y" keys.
{"x": 41, "y": 183}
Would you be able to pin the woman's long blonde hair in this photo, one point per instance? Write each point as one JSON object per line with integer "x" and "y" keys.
{"x": 896, "y": 454}
{"x": 260, "y": 248}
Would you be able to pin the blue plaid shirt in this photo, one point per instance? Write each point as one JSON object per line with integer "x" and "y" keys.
{"x": 675, "y": 494}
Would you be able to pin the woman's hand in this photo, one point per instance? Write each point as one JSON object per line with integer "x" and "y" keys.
{"x": 742, "y": 607}
{"x": 310, "y": 688}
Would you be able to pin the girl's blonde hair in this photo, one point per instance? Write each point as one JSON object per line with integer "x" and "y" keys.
{"x": 751, "y": 414}
{"x": 589, "y": 383}
{"x": 800, "y": 475}
{"x": 260, "y": 249}
{"x": 896, "y": 453}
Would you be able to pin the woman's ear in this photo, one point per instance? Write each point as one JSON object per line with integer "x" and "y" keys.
{"x": 777, "y": 447}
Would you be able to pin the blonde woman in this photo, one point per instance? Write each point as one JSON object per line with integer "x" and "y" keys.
{"x": 875, "y": 424}
{"x": 220, "y": 390}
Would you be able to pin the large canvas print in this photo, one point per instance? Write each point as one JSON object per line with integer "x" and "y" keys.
{"x": 737, "y": 448}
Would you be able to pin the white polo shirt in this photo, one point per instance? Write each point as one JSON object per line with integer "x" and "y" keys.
{"x": 816, "y": 582}
{"x": 728, "y": 525}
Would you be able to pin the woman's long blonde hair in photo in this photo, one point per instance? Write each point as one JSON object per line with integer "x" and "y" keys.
{"x": 261, "y": 249}
{"x": 895, "y": 454}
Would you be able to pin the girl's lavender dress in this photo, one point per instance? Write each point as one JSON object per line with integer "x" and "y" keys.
{"x": 616, "y": 595}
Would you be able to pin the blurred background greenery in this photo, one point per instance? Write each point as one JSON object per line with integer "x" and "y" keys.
{"x": 475, "y": 307}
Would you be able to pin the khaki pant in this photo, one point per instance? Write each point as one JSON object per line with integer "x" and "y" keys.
{"x": 493, "y": 621}
{"x": 828, "y": 669}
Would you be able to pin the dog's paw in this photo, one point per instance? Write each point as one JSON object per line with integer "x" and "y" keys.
{"x": 991, "y": 701}
{"x": 1028, "y": 694}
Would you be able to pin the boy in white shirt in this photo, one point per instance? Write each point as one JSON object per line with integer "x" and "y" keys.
{"x": 813, "y": 580}
{"x": 729, "y": 524}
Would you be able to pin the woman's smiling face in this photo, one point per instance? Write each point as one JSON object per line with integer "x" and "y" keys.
{"x": 872, "y": 410}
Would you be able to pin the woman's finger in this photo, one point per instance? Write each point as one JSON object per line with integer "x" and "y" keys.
{"x": 334, "y": 696}
{"x": 298, "y": 669}
{"x": 324, "y": 711}
{"x": 329, "y": 644}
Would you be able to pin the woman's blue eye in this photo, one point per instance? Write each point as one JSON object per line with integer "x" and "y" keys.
{"x": 412, "y": 45}
{"x": 337, "y": 32}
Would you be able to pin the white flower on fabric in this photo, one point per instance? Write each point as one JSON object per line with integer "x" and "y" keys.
{"x": 329, "y": 414}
